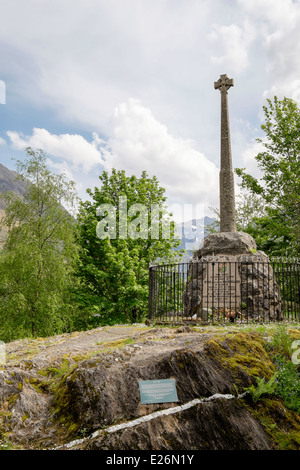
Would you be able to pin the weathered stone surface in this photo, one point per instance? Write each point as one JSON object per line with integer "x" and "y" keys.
{"x": 113, "y": 394}
{"x": 227, "y": 243}
{"x": 221, "y": 425}
{"x": 259, "y": 291}
{"x": 48, "y": 398}
{"x": 227, "y": 199}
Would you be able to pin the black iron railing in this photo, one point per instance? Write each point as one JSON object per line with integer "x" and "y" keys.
{"x": 225, "y": 289}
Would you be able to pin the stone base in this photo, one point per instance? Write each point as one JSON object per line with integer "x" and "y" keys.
{"x": 227, "y": 243}
{"x": 259, "y": 294}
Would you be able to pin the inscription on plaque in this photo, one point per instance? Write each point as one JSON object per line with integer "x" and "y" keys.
{"x": 222, "y": 285}
{"x": 157, "y": 391}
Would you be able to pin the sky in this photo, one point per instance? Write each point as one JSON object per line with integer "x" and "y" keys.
{"x": 129, "y": 84}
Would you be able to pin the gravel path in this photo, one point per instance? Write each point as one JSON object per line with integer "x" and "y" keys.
{"x": 48, "y": 349}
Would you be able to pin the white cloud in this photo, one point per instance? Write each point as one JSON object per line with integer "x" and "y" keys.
{"x": 248, "y": 158}
{"x": 279, "y": 14}
{"x": 277, "y": 25}
{"x": 78, "y": 60}
{"x": 233, "y": 41}
{"x": 2, "y": 141}
{"x": 85, "y": 57}
{"x": 78, "y": 152}
{"x": 140, "y": 142}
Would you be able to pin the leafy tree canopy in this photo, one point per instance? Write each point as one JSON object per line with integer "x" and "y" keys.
{"x": 123, "y": 228}
{"x": 277, "y": 230}
{"x": 38, "y": 257}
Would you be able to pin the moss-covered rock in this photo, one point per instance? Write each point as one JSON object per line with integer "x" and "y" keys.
{"x": 49, "y": 400}
{"x": 243, "y": 354}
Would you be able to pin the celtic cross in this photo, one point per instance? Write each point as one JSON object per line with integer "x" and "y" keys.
{"x": 227, "y": 199}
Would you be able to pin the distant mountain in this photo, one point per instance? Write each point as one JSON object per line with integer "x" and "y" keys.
{"x": 8, "y": 182}
{"x": 192, "y": 233}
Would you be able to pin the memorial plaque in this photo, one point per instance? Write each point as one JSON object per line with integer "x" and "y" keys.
{"x": 157, "y": 391}
{"x": 222, "y": 285}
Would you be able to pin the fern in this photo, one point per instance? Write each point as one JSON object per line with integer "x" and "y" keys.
{"x": 262, "y": 388}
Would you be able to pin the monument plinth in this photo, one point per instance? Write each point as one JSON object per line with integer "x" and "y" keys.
{"x": 228, "y": 272}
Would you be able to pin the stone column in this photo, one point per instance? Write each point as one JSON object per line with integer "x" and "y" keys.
{"x": 227, "y": 199}
{"x": 253, "y": 292}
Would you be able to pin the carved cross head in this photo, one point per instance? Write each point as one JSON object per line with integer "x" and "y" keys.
{"x": 224, "y": 83}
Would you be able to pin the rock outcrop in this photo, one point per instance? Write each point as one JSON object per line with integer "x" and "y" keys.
{"x": 227, "y": 243}
{"x": 80, "y": 391}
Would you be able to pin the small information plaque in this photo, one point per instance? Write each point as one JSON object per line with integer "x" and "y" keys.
{"x": 158, "y": 391}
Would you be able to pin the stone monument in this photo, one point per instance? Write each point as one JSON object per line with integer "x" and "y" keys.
{"x": 228, "y": 273}
{"x": 227, "y": 202}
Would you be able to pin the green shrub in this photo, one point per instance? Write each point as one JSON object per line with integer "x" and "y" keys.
{"x": 288, "y": 385}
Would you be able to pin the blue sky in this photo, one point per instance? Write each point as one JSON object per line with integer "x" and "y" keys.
{"x": 128, "y": 84}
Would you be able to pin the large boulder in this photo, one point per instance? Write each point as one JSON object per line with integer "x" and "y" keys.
{"x": 81, "y": 391}
{"x": 227, "y": 243}
{"x": 256, "y": 294}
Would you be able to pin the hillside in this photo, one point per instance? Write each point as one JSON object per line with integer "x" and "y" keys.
{"x": 81, "y": 391}
{"x": 8, "y": 182}
{"x": 192, "y": 232}
{"x": 3, "y": 231}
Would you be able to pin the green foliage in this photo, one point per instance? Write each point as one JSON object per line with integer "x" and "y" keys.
{"x": 249, "y": 206}
{"x": 215, "y": 225}
{"x": 271, "y": 233}
{"x": 262, "y": 388}
{"x": 288, "y": 375}
{"x": 38, "y": 256}
{"x": 113, "y": 270}
{"x": 281, "y": 344}
{"x": 278, "y": 229}
{"x": 288, "y": 384}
